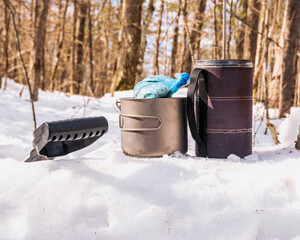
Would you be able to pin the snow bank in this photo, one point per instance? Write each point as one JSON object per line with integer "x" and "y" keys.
{"x": 99, "y": 193}
{"x": 289, "y": 129}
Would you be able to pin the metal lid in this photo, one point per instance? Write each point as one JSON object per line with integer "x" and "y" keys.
{"x": 224, "y": 63}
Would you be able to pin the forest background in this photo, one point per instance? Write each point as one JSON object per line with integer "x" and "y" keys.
{"x": 92, "y": 47}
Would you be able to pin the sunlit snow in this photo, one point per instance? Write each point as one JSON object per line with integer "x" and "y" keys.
{"x": 99, "y": 193}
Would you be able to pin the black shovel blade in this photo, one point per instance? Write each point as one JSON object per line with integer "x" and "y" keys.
{"x": 53, "y": 139}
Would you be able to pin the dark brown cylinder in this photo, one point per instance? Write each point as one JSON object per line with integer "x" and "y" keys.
{"x": 226, "y": 124}
{"x": 153, "y": 127}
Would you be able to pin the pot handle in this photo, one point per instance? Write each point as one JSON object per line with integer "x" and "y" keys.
{"x": 121, "y": 123}
{"x": 197, "y": 79}
{"x": 118, "y": 104}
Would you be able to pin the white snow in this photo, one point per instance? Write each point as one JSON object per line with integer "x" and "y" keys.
{"x": 99, "y": 193}
{"x": 289, "y": 128}
{"x": 234, "y": 158}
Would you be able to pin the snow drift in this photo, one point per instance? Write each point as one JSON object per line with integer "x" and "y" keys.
{"x": 99, "y": 193}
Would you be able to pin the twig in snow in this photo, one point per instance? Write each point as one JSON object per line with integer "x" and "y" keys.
{"x": 297, "y": 143}
{"x": 9, "y": 7}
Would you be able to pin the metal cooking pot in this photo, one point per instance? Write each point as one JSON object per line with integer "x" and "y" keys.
{"x": 153, "y": 127}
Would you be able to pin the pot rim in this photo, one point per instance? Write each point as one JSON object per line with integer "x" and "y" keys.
{"x": 223, "y": 63}
{"x": 153, "y": 99}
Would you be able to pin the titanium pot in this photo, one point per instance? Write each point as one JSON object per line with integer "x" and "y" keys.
{"x": 220, "y": 107}
{"x": 153, "y": 127}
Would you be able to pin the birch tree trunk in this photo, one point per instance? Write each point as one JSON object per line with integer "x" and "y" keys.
{"x": 290, "y": 33}
{"x": 39, "y": 41}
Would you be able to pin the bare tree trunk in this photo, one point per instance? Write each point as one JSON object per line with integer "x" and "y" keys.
{"x": 230, "y": 30}
{"x": 251, "y": 33}
{"x": 297, "y": 87}
{"x": 220, "y": 27}
{"x": 184, "y": 45}
{"x": 78, "y": 88}
{"x": 195, "y": 35}
{"x": 218, "y": 15}
{"x": 54, "y": 84}
{"x": 107, "y": 68}
{"x": 6, "y": 42}
{"x": 35, "y": 8}
{"x": 215, "y": 31}
{"x": 266, "y": 51}
{"x": 39, "y": 41}
{"x": 101, "y": 52}
{"x": 291, "y": 33}
{"x": 2, "y": 58}
{"x": 297, "y": 142}
{"x": 15, "y": 73}
{"x": 127, "y": 66}
{"x": 156, "y": 54}
{"x": 277, "y": 71}
{"x": 146, "y": 23}
{"x": 258, "y": 56}
{"x": 175, "y": 42}
{"x": 166, "y": 43}
{"x": 91, "y": 49}
{"x": 269, "y": 10}
{"x": 258, "y": 85}
{"x": 240, "y": 34}
{"x": 58, "y": 26}
{"x": 73, "y": 60}
{"x": 119, "y": 43}
{"x": 43, "y": 80}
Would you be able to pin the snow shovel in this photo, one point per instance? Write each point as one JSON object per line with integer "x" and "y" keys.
{"x": 53, "y": 139}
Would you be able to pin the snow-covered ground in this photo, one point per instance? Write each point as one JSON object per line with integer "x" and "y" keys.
{"x": 99, "y": 193}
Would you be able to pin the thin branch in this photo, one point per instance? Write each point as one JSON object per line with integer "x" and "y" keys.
{"x": 167, "y": 30}
{"x": 102, "y": 7}
{"x": 252, "y": 28}
{"x": 189, "y": 37}
{"x": 9, "y": 7}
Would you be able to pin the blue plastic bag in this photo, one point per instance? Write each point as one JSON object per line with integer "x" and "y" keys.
{"x": 159, "y": 86}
